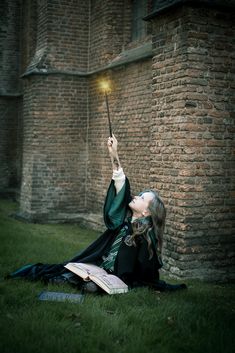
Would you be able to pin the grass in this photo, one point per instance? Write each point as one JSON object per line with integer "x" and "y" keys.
{"x": 200, "y": 319}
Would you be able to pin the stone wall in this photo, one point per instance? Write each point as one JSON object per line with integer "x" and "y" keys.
{"x": 10, "y": 142}
{"x": 54, "y": 149}
{"x": 10, "y": 100}
{"x": 28, "y": 33}
{"x": 55, "y": 113}
{"x": 192, "y": 134}
{"x": 130, "y": 110}
{"x": 171, "y": 107}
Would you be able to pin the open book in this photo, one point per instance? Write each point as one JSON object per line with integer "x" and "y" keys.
{"x": 109, "y": 283}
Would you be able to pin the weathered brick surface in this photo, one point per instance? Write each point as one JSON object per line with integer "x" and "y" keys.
{"x": 54, "y": 149}
{"x": 10, "y": 102}
{"x": 192, "y": 161}
{"x": 59, "y": 41}
{"x": 130, "y": 110}
{"x": 173, "y": 115}
{"x": 10, "y": 142}
{"x": 67, "y": 34}
{"x": 109, "y": 30}
{"x": 55, "y": 112}
{"x": 9, "y": 46}
{"x": 28, "y": 32}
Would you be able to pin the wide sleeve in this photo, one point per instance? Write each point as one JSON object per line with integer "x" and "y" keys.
{"x": 116, "y": 205}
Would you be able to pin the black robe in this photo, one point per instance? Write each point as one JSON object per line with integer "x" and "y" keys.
{"x": 132, "y": 263}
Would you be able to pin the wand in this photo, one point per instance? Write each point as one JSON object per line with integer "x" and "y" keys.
{"x": 107, "y": 106}
{"x": 106, "y": 88}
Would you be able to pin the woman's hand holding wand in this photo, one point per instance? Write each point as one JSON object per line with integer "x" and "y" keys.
{"x": 112, "y": 148}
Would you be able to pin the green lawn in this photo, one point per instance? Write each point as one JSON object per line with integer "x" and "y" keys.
{"x": 200, "y": 319}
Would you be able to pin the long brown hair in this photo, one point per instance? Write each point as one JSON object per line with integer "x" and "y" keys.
{"x": 158, "y": 214}
{"x": 155, "y": 222}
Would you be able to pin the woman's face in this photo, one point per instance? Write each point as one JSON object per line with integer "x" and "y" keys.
{"x": 140, "y": 203}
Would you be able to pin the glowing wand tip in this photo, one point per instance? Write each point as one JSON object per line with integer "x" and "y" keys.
{"x": 105, "y": 86}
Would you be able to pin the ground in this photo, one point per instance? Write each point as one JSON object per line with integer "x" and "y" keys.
{"x": 200, "y": 319}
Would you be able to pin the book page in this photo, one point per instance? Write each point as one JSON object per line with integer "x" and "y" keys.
{"x": 110, "y": 283}
{"x": 84, "y": 270}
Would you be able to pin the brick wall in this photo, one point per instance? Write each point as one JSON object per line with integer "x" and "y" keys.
{"x": 59, "y": 41}
{"x": 55, "y": 113}
{"x": 10, "y": 101}
{"x": 67, "y": 34}
{"x": 54, "y": 149}
{"x": 28, "y": 33}
{"x": 10, "y": 142}
{"x": 130, "y": 110}
{"x": 173, "y": 116}
{"x": 192, "y": 137}
{"x": 109, "y": 30}
{"x": 9, "y": 53}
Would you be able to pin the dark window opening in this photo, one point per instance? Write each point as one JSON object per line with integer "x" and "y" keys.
{"x": 139, "y": 27}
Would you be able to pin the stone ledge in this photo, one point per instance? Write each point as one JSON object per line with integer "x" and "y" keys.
{"x": 126, "y": 57}
{"x": 10, "y": 94}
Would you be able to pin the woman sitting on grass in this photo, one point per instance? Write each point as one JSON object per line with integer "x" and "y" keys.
{"x": 131, "y": 246}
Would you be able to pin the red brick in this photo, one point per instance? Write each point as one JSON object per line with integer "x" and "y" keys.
{"x": 171, "y": 114}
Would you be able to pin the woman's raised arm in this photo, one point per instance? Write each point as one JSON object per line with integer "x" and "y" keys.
{"x": 118, "y": 175}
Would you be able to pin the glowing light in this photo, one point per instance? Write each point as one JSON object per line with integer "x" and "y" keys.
{"x": 105, "y": 86}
